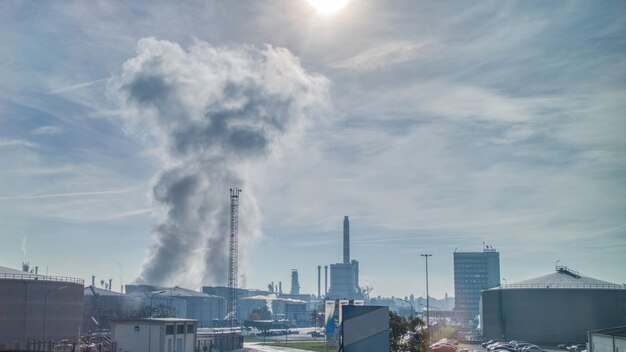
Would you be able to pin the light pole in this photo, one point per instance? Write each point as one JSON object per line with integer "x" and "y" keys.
{"x": 427, "y": 300}
{"x": 45, "y": 304}
{"x": 150, "y": 324}
{"x": 409, "y": 302}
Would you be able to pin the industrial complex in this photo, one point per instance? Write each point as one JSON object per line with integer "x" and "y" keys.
{"x": 41, "y": 311}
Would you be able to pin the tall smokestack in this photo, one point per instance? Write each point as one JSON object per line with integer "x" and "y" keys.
{"x": 319, "y": 280}
{"x": 346, "y": 240}
{"x": 110, "y": 284}
{"x": 325, "y": 280}
{"x": 93, "y": 280}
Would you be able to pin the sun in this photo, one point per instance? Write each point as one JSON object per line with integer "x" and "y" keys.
{"x": 328, "y": 7}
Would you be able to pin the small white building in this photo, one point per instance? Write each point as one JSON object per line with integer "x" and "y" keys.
{"x": 607, "y": 340}
{"x": 154, "y": 335}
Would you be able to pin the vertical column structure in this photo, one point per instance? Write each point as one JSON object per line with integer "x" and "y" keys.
{"x": 325, "y": 280}
{"x": 346, "y": 240}
{"x": 233, "y": 260}
{"x": 319, "y": 281}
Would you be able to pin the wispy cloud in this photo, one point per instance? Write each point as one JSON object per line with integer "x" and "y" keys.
{"x": 8, "y": 143}
{"x": 65, "y": 195}
{"x": 379, "y": 56}
{"x": 72, "y": 87}
{"x": 47, "y": 130}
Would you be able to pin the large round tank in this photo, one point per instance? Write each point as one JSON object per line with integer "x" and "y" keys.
{"x": 556, "y": 308}
{"x": 38, "y": 309}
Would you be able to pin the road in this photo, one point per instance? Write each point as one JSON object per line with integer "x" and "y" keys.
{"x": 257, "y": 347}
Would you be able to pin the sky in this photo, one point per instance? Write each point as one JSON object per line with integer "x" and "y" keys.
{"x": 434, "y": 125}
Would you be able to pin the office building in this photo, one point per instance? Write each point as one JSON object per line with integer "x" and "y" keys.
{"x": 473, "y": 272}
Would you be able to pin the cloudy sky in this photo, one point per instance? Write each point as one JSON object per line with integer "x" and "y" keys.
{"x": 434, "y": 125}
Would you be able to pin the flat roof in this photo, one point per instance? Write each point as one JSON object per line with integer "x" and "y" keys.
{"x": 13, "y": 274}
{"x": 616, "y": 331}
{"x": 156, "y": 320}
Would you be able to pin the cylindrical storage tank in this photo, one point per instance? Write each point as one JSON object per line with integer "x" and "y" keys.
{"x": 36, "y": 310}
{"x": 553, "y": 311}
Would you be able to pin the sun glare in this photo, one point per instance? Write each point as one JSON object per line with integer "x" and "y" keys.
{"x": 328, "y": 7}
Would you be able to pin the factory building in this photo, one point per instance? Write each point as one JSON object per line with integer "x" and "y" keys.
{"x": 102, "y": 306}
{"x": 473, "y": 272}
{"x": 37, "y": 311}
{"x": 556, "y": 308}
{"x": 209, "y": 310}
{"x": 344, "y": 277}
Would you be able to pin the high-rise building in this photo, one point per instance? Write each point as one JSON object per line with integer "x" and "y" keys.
{"x": 344, "y": 277}
{"x": 474, "y": 272}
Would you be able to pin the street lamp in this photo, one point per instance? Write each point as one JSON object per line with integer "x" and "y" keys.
{"x": 409, "y": 302}
{"x": 427, "y": 300}
{"x": 45, "y": 303}
{"x": 150, "y": 324}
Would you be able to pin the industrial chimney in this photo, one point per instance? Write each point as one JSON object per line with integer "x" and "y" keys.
{"x": 346, "y": 240}
{"x": 319, "y": 280}
{"x": 93, "y": 280}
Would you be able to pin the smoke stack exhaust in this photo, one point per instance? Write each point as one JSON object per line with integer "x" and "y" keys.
{"x": 319, "y": 280}
{"x": 346, "y": 240}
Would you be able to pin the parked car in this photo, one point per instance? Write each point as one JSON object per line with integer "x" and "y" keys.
{"x": 577, "y": 348}
{"x": 316, "y": 334}
{"x": 532, "y": 348}
{"x": 487, "y": 343}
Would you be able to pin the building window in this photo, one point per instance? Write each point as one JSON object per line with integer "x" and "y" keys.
{"x": 169, "y": 330}
{"x": 190, "y": 329}
{"x": 136, "y": 327}
{"x": 180, "y": 329}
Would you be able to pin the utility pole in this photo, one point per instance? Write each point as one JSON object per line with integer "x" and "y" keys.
{"x": 427, "y": 299}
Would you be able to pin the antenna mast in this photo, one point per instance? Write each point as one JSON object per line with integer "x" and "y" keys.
{"x": 233, "y": 257}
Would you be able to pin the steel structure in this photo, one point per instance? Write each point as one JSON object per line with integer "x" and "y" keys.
{"x": 233, "y": 256}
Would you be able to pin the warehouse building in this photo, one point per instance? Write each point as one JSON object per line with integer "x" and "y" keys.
{"x": 37, "y": 311}
{"x": 102, "y": 306}
{"x": 556, "y": 308}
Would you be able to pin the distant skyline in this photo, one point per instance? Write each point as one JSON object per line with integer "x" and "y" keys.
{"x": 434, "y": 126}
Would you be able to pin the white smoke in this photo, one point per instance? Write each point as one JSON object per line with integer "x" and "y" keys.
{"x": 218, "y": 113}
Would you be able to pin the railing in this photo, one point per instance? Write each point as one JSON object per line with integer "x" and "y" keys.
{"x": 606, "y": 286}
{"x": 27, "y": 276}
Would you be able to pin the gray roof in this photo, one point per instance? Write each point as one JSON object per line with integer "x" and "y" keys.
{"x": 5, "y": 270}
{"x": 8, "y": 273}
{"x": 182, "y": 292}
{"x": 563, "y": 278}
{"x": 92, "y": 291}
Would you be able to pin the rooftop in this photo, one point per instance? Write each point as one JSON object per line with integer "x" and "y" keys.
{"x": 616, "y": 331}
{"x": 564, "y": 278}
{"x": 13, "y": 274}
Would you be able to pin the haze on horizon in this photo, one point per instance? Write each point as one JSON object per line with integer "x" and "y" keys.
{"x": 434, "y": 126}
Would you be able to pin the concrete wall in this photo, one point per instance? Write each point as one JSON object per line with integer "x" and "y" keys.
{"x": 550, "y": 315}
{"x": 22, "y": 311}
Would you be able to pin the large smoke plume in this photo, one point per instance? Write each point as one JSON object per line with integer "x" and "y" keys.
{"x": 217, "y": 113}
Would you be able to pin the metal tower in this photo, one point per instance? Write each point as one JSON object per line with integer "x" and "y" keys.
{"x": 233, "y": 257}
